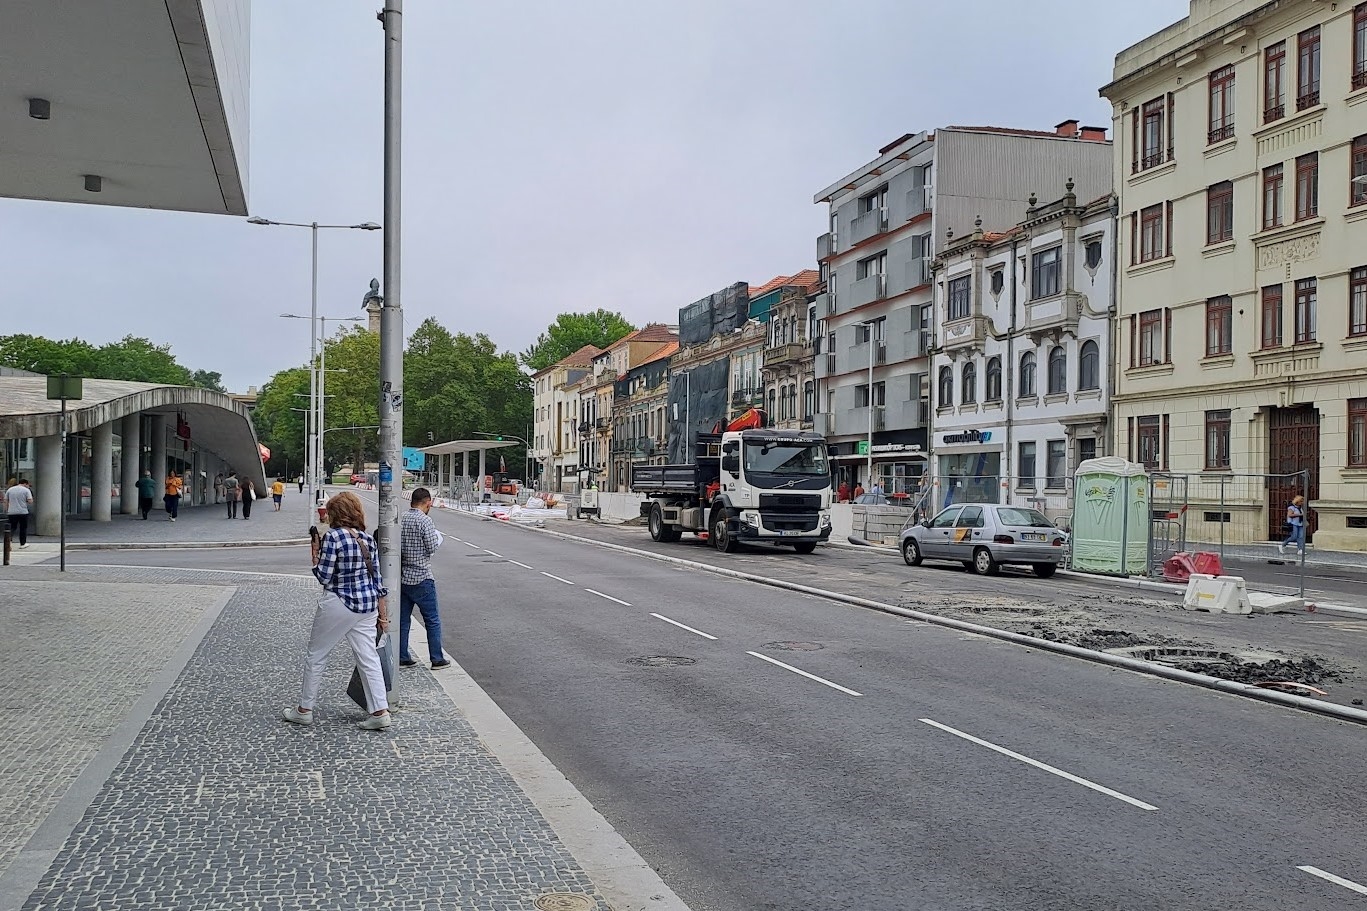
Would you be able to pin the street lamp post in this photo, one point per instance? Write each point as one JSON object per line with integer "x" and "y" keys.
{"x": 311, "y": 444}
{"x": 868, "y": 330}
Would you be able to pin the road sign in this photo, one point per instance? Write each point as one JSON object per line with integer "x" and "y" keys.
{"x": 414, "y": 459}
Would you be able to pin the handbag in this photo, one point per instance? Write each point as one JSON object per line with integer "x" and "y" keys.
{"x": 383, "y": 644}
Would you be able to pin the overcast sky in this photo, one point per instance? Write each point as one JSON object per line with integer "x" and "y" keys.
{"x": 628, "y": 154}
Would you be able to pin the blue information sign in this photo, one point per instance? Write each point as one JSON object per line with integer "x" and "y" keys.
{"x": 414, "y": 459}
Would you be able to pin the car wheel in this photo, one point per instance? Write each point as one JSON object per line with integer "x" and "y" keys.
{"x": 911, "y": 552}
{"x": 656, "y": 524}
{"x": 722, "y": 539}
{"x": 1045, "y": 570}
{"x": 984, "y": 564}
{"x": 805, "y": 547}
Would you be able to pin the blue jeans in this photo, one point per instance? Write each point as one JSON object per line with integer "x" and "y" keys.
{"x": 1297, "y": 537}
{"x": 424, "y": 595}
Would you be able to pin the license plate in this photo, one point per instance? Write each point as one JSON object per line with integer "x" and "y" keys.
{"x": 790, "y": 534}
{"x": 1032, "y": 537}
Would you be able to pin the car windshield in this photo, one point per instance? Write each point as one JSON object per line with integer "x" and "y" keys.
{"x": 1018, "y": 517}
{"x": 801, "y": 459}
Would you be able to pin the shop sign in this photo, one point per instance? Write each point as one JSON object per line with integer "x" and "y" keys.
{"x": 967, "y": 436}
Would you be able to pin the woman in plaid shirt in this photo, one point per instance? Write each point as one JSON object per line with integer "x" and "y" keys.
{"x": 353, "y": 607}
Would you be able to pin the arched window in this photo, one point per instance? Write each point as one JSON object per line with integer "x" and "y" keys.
{"x": 1089, "y": 366}
{"x": 1058, "y": 371}
{"x": 808, "y": 400}
{"x": 773, "y": 402}
{"x": 792, "y": 402}
{"x": 1027, "y": 385}
{"x": 946, "y": 390}
{"x": 969, "y": 393}
{"x": 994, "y": 380}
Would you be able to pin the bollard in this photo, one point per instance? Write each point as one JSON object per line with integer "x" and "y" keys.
{"x": 7, "y": 543}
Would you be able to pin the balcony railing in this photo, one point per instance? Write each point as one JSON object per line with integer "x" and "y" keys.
{"x": 1274, "y": 112}
{"x": 825, "y": 423}
{"x": 786, "y": 354}
{"x": 1360, "y": 78}
{"x": 1308, "y": 99}
{"x": 826, "y": 245}
{"x": 917, "y": 202}
{"x": 826, "y": 304}
{"x": 585, "y": 427}
{"x": 880, "y": 352}
{"x": 869, "y": 289}
{"x": 880, "y": 418}
{"x": 748, "y": 396}
{"x": 830, "y": 362}
{"x": 1220, "y": 133}
{"x": 870, "y": 224}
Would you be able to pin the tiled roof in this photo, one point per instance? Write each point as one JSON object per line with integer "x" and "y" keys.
{"x": 660, "y": 353}
{"x": 581, "y": 358}
{"x": 650, "y": 332}
{"x": 804, "y": 279}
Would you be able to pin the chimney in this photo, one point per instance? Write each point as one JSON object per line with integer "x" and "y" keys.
{"x": 1094, "y": 134}
{"x": 1067, "y": 129}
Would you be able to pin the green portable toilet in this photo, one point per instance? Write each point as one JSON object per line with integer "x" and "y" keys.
{"x": 1110, "y": 515}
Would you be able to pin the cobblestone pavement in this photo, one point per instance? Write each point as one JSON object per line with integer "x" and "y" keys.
{"x": 84, "y": 653}
{"x": 208, "y": 523}
{"x": 221, "y": 805}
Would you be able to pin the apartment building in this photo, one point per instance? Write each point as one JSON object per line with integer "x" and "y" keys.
{"x": 555, "y": 403}
{"x": 1242, "y": 178}
{"x": 639, "y": 400}
{"x": 789, "y": 363}
{"x": 1022, "y": 368}
{"x": 888, "y": 220}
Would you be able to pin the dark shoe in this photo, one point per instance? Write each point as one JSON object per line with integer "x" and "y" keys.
{"x": 438, "y": 665}
{"x": 407, "y": 662}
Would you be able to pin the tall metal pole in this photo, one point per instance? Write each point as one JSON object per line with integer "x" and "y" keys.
{"x": 61, "y": 473}
{"x": 322, "y": 398}
{"x": 868, "y": 329}
{"x": 312, "y": 469}
{"x": 391, "y": 315}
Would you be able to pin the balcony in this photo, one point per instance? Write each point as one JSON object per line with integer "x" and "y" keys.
{"x": 1308, "y": 99}
{"x": 867, "y": 290}
{"x": 1360, "y": 79}
{"x": 870, "y": 224}
{"x": 747, "y": 397}
{"x": 918, "y": 202}
{"x": 917, "y": 272}
{"x": 880, "y": 352}
{"x": 830, "y": 362}
{"x": 585, "y": 427}
{"x": 826, "y": 246}
{"x": 880, "y": 418}
{"x": 964, "y": 333}
{"x": 913, "y": 414}
{"x": 916, "y": 343}
{"x": 825, "y": 304}
{"x": 602, "y": 425}
{"x": 1052, "y": 314}
{"x": 824, "y": 424}
{"x": 786, "y": 354}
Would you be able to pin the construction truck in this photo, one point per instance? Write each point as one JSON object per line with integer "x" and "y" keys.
{"x": 747, "y": 484}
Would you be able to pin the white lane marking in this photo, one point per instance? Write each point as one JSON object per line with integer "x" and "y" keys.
{"x": 609, "y": 597}
{"x": 1336, "y": 880}
{"x": 492, "y": 554}
{"x": 523, "y": 565}
{"x": 472, "y": 544}
{"x": 1041, "y": 766}
{"x": 800, "y": 672}
{"x": 684, "y": 626}
{"x": 556, "y": 578}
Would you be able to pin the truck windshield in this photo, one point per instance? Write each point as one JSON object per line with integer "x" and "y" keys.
{"x": 791, "y": 459}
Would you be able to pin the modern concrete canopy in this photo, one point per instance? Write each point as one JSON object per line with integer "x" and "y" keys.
{"x": 450, "y": 449}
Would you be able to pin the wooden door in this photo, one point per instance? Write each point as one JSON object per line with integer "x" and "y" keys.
{"x": 1293, "y": 446}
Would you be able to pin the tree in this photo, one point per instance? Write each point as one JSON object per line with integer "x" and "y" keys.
{"x": 279, "y": 419}
{"x": 208, "y": 379}
{"x": 132, "y": 358}
{"x": 352, "y": 387}
{"x": 572, "y": 331}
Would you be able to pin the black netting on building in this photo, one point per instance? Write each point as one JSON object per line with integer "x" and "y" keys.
{"x": 700, "y": 396}
{"x": 718, "y": 313}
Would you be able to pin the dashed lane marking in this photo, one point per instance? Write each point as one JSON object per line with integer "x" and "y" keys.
{"x": 556, "y": 578}
{"x": 684, "y": 626}
{"x": 609, "y": 597}
{"x": 802, "y": 673}
{"x": 1336, "y": 880}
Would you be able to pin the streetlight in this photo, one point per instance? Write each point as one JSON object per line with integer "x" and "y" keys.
{"x": 868, "y": 325}
{"x": 312, "y": 441}
{"x": 317, "y": 383}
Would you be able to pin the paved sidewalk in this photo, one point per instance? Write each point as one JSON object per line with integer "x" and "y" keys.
{"x": 217, "y": 803}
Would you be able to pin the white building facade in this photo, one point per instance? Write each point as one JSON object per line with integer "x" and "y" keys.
{"x": 1021, "y": 371}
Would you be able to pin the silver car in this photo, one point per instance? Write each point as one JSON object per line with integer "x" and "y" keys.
{"x": 984, "y": 537}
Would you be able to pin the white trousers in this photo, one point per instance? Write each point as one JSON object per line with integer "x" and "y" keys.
{"x": 332, "y": 623}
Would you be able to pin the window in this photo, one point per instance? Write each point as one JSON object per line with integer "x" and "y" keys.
{"x": 1357, "y": 301}
{"x": 1357, "y": 183}
{"x": 1093, "y": 254}
{"x": 1308, "y": 69}
{"x": 1026, "y": 460}
{"x": 808, "y": 400}
{"x": 946, "y": 390}
{"x": 773, "y": 404}
{"x": 1307, "y": 186}
{"x": 1217, "y": 440}
{"x": 1220, "y": 213}
{"x": 1221, "y": 104}
{"x": 1045, "y": 273}
{"x": 1305, "y": 310}
{"x": 998, "y": 281}
{"x": 1219, "y": 325}
{"x": 960, "y": 298}
{"x": 1151, "y": 233}
{"x": 1360, "y": 46}
{"x": 874, "y": 265}
{"x": 1058, "y": 371}
{"x": 1151, "y": 135}
{"x": 1027, "y": 375}
{"x": 971, "y": 517}
{"x": 1150, "y": 338}
{"x": 1272, "y": 316}
{"x": 1357, "y": 433}
{"x": 1149, "y": 436}
{"x": 946, "y": 519}
{"x": 1272, "y": 196}
{"x": 1274, "y": 82}
{"x": 1055, "y": 465}
{"x": 880, "y": 394}
{"x": 1089, "y": 366}
{"x": 1086, "y": 449}
{"x": 970, "y": 383}
{"x": 994, "y": 379}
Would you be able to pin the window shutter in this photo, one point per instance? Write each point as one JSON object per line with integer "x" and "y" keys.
{"x": 1134, "y": 336}
{"x": 1167, "y": 227}
{"x": 1134, "y": 145}
{"x": 1134, "y": 236}
{"x": 1164, "y": 454}
{"x": 1167, "y": 335}
{"x": 1172, "y": 127}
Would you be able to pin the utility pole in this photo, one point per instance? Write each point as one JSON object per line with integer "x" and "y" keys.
{"x": 391, "y": 314}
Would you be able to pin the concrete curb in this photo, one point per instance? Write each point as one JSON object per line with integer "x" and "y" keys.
{"x": 1339, "y": 712}
{"x": 181, "y": 545}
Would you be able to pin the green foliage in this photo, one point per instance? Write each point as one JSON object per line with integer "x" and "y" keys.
{"x": 208, "y": 379}
{"x": 278, "y": 425}
{"x": 352, "y": 387}
{"x": 132, "y": 358}
{"x": 572, "y": 331}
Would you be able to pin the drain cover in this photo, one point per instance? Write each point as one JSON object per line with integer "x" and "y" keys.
{"x": 563, "y": 901}
{"x": 794, "y": 646}
{"x": 662, "y": 661}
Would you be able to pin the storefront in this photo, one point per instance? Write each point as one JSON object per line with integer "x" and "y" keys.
{"x": 969, "y": 466}
{"x": 899, "y": 468}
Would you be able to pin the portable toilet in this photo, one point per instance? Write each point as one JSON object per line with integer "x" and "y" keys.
{"x": 1110, "y": 517}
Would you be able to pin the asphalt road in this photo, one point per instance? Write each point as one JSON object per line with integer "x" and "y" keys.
{"x": 805, "y": 754}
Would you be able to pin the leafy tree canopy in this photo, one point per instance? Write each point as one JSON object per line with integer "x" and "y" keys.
{"x": 208, "y": 379}
{"x": 572, "y": 331}
{"x": 132, "y": 358}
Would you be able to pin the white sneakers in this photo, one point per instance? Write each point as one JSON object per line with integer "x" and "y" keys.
{"x": 371, "y": 722}
{"x": 374, "y": 722}
{"x": 293, "y": 715}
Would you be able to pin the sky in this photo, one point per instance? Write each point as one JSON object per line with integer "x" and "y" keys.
{"x": 558, "y": 156}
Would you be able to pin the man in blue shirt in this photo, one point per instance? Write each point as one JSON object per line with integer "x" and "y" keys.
{"x": 419, "y": 539}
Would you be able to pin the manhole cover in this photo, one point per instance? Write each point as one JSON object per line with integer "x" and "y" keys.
{"x": 563, "y": 901}
{"x": 794, "y": 646}
{"x": 662, "y": 661}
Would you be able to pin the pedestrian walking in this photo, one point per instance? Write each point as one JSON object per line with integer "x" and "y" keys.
{"x": 418, "y": 540}
{"x": 858, "y": 490}
{"x": 147, "y": 489}
{"x": 354, "y": 607}
{"x": 248, "y": 495}
{"x": 19, "y": 505}
{"x": 278, "y": 492}
{"x": 1295, "y": 523}
{"x": 301, "y": 483}
{"x": 232, "y": 492}
{"x": 876, "y": 489}
{"x": 174, "y": 486}
{"x": 843, "y": 492}
{"x": 218, "y": 488}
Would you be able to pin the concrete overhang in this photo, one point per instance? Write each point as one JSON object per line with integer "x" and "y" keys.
{"x": 148, "y": 95}
{"x": 457, "y": 446}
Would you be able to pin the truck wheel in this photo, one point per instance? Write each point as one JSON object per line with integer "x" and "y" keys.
{"x": 805, "y": 547}
{"x": 721, "y": 535}
{"x": 656, "y": 524}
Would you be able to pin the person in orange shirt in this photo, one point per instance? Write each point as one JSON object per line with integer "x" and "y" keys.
{"x": 174, "y": 485}
{"x": 278, "y": 492}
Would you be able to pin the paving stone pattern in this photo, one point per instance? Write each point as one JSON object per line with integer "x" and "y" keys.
{"x": 221, "y": 805}
{"x": 207, "y": 523}
{"x": 80, "y": 654}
